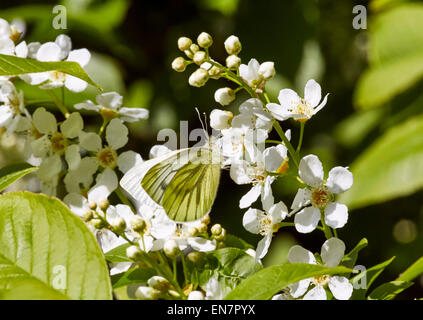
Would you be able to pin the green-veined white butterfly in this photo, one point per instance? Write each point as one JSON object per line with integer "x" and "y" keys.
{"x": 184, "y": 182}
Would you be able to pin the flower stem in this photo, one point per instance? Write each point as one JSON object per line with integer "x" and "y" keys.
{"x": 59, "y": 104}
{"x": 285, "y": 140}
{"x": 124, "y": 200}
{"x": 326, "y": 229}
{"x": 103, "y": 126}
{"x": 300, "y": 142}
{"x": 184, "y": 266}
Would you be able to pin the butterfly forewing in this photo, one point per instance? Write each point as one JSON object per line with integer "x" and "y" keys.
{"x": 185, "y": 184}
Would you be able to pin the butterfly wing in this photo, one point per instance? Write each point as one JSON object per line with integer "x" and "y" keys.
{"x": 184, "y": 184}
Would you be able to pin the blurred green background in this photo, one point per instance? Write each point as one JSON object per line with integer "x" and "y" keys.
{"x": 373, "y": 121}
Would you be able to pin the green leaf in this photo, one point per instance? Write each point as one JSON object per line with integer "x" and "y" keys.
{"x": 269, "y": 281}
{"x": 133, "y": 276}
{"x": 118, "y": 254}
{"x": 350, "y": 258}
{"x": 366, "y": 278}
{"x": 41, "y": 240}
{"x": 236, "y": 242}
{"x": 389, "y": 290}
{"x": 412, "y": 272}
{"x": 395, "y": 54}
{"x": 14, "y": 172}
{"x": 391, "y": 167}
{"x": 13, "y": 66}
{"x": 32, "y": 290}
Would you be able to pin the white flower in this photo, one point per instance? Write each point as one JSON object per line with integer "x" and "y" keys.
{"x": 57, "y": 51}
{"x": 224, "y": 96}
{"x": 195, "y": 295}
{"x": 13, "y": 115}
{"x": 332, "y": 253}
{"x": 265, "y": 223}
{"x": 110, "y": 104}
{"x": 198, "y": 78}
{"x": 276, "y": 159}
{"x": 255, "y": 74}
{"x": 220, "y": 119}
{"x": 116, "y": 138}
{"x": 53, "y": 144}
{"x": 292, "y": 106}
{"x": 252, "y": 116}
{"x": 215, "y": 291}
{"x": 9, "y": 35}
{"x": 80, "y": 178}
{"x": 320, "y": 194}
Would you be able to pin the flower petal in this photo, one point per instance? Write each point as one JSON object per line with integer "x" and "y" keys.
{"x": 298, "y": 254}
{"x": 250, "y": 197}
{"x": 133, "y": 114}
{"x": 332, "y": 252}
{"x": 110, "y": 100}
{"x": 82, "y": 56}
{"x": 49, "y": 51}
{"x": 75, "y": 84}
{"x": 127, "y": 160}
{"x": 263, "y": 246}
{"x": 311, "y": 170}
{"x": 116, "y": 134}
{"x": 340, "y": 179}
{"x": 251, "y": 220}
{"x": 90, "y": 141}
{"x": 201, "y": 244}
{"x": 77, "y": 203}
{"x": 336, "y": 215}
{"x": 317, "y": 293}
{"x": 44, "y": 121}
{"x": 299, "y": 288}
{"x": 72, "y": 126}
{"x": 107, "y": 182}
{"x": 73, "y": 157}
{"x": 312, "y": 93}
{"x": 307, "y": 219}
{"x": 288, "y": 99}
{"x": 340, "y": 287}
{"x": 302, "y": 198}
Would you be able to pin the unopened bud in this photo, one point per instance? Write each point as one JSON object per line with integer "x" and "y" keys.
{"x": 98, "y": 223}
{"x": 233, "y": 61}
{"x": 192, "y": 231}
{"x": 206, "y": 219}
{"x": 189, "y": 54}
{"x": 179, "y": 64}
{"x": 215, "y": 72}
{"x": 118, "y": 224}
{"x": 184, "y": 43}
{"x": 104, "y": 204}
{"x": 204, "y": 40}
{"x": 137, "y": 224}
{"x": 198, "y": 78}
{"x": 134, "y": 253}
{"x": 221, "y": 236}
{"x": 199, "y": 57}
{"x": 224, "y": 96}
{"x": 92, "y": 205}
{"x": 220, "y": 119}
{"x": 147, "y": 293}
{"x": 87, "y": 215}
{"x": 159, "y": 283}
{"x": 233, "y": 45}
{"x": 171, "y": 249}
{"x": 267, "y": 70}
{"x": 194, "y": 48}
{"x": 216, "y": 229}
{"x": 194, "y": 256}
{"x": 174, "y": 293}
{"x": 202, "y": 227}
{"x": 196, "y": 295}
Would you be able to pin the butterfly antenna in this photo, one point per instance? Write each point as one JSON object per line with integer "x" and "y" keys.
{"x": 199, "y": 117}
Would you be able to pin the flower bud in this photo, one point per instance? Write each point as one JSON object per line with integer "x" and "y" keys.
{"x": 194, "y": 48}
{"x": 196, "y": 295}
{"x": 214, "y": 72}
{"x": 198, "y": 78}
{"x": 233, "y": 61}
{"x": 137, "y": 223}
{"x": 147, "y": 293}
{"x": 159, "y": 283}
{"x": 233, "y": 45}
{"x": 92, "y": 205}
{"x": 221, "y": 236}
{"x": 98, "y": 223}
{"x": 104, "y": 204}
{"x": 171, "y": 249}
{"x": 202, "y": 227}
{"x": 179, "y": 64}
{"x": 216, "y": 229}
{"x": 220, "y": 119}
{"x": 204, "y": 40}
{"x": 184, "y": 43}
{"x": 192, "y": 231}
{"x": 206, "y": 219}
{"x": 87, "y": 215}
{"x": 224, "y": 96}
{"x": 189, "y": 54}
{"x": 134, "y": 253}
{"x": 194, "y": 256}
{"x": 118, "y": 224}
{"x": 267, "y": 70}
{"x": 199, "y": 57}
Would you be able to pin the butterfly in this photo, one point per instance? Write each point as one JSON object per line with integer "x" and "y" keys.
{"x": 183, "y": 182}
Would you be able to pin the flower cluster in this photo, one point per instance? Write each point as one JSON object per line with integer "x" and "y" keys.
{"x": 243, "y": 139}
